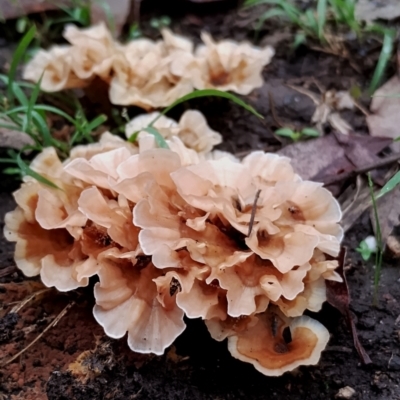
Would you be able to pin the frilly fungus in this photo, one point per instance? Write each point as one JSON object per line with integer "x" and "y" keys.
{"x": 245, "y": 245}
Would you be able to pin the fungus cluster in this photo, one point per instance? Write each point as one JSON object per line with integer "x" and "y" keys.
{"x": 146, "y": 73}
{"x": 244, "y": 245}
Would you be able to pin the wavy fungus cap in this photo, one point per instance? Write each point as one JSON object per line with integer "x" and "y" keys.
{"x": 192, "y": 129}
{"x": 92, "y": 51}
{"x": 275, "y": 345}
{"x": 229, "y": 66}
{"x": 55, "y": 68}
{"x": 247, "y": 246}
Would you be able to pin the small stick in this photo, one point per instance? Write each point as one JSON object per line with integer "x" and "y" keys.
{"x": 7, "y": 271}
{"x": 53, "y": 323}
{"x": 273, "y": 110}
{"x": 25, "y": 301}
{"x": 253, "y": 212}
{"x": 345, "y": 175}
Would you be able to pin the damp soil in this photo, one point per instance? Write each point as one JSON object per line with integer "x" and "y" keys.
{"x": 74, "y": 360}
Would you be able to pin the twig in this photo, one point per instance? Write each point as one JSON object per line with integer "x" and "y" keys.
{"x": 329, "y": 180}
{"x": 253, "y": 212}
{"x": 53, "y": 323}
{"x": 273, "y": 111}
{"x": 25, "y": 301}
{"x": 7, "y": 271}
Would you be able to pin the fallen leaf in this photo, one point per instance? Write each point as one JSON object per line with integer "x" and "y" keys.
{"x": 13, "y": 9}
{"x": 113, "y": 12}
{"x": 324, "y": 158}
{"x": 338, "y": 296}
{"x": 286, "y": 100}
{"x": 371, "y": 10}
{"x": 385, "y": 106}
{"x": 14, "y": 139}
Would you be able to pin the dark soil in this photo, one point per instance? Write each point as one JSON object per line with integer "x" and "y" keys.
{"x": 75, "y": 360}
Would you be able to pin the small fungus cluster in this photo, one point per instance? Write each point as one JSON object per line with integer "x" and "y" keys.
{"x": 244, "y": 245}
{"x": 145, "y": 73}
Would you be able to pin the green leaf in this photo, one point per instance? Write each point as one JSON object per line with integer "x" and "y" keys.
{"x": 82, "y": 15}
{"x": 26, "y": 170}
{"x": 208, "y": 93}
{"x": 310, "y": 132}
{"x": 18, "y": 54}
{"x": 285, "y": 132}
{"x": 364, "y": 251}
{"x": 390, "y": 185}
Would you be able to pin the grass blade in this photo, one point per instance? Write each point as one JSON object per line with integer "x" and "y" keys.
{"x": 379, "y": 244}
{"x": 390, "y": 185}
{"x": 384, "y": 57}
{"x": 321, "y": 18}
{"x": 208, "y": 93}
{"x": 31, "y": 103}
{"x": 159, "y": 139}
{"x": 26, "y": 170}
{"x": 273, "y": 12}
{"x": 19, "y": 53}
{"x": 96, "y": 122}
{"x": 252, "y": 3}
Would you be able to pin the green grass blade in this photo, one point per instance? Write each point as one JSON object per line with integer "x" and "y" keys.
{"x": 390, "y": 185}
{"x": 273, "y": 12}
{"x": 32, "y": 102}
{"x": 208, "y": 93}
{"x": 26, "y": 170}
{"x": 379, "y": 244}
{"x": 384, "y": 57}
{"x": 159, "y": 139}
{"x": 311, "y": 22}
{"x": 42, "y": 128}
{"x": 96, "y": 122}
{"x": 252, "y": 3}
{"x": 16, "y": 88}
{"x": 18, "y": 54}
{"x": 321, "y": 18}
{"x": 54, "y": 110}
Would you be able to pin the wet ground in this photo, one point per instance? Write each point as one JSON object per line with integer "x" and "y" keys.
{"x": 75, "y": 361}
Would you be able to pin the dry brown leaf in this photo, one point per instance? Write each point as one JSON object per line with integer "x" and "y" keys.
{"x": 14, "y": 139}
{"x": 118, "y": 8}
{"x": 14, "y": 9}
{"x": 385, "y": 117}
{"x": 322, "y": 158}
{"x": 367, "y": 10}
